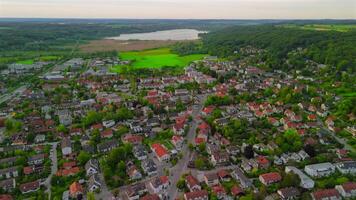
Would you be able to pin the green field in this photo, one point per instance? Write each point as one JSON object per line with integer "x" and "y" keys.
{"x": 25, "y": 62}
{"x": 157, "y": 58}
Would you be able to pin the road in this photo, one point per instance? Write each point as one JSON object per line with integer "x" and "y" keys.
{"x": 54, "y": 168}
{"x": 9, "y": 96}
{"x": 181, "y": 167}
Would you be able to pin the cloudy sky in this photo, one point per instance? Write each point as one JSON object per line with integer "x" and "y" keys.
{"x": 182, "y": 9}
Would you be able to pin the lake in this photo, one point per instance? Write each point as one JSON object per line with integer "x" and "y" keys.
{"x": 175, "y": 34}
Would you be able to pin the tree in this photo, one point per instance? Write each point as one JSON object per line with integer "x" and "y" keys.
{"x": 90, "y": 196}
{"x": 310, "y": 150}
{"x": 290, "y": 180}
{"x": 180, "y": 184}
{"x": 248, "y": 152}
{"x": 199, "y": 163}
{"x": 290, "y": 140}
{"x": 83, "y": 157}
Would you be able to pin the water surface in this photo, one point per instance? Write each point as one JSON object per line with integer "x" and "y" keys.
{"x": 175, "y": 34}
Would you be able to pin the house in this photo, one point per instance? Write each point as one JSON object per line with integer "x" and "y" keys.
{"x": 270, "y": 178}
{"x": 289, "y": 193}
{"x": 326, "y": 194}
{"x": 8, "y": 184}
{"x": 319, "y": 170}
{"x": 109, "y": 123}
{"x": 192, "y": 183}
{"x": 9, "y": 172}
{"x": 160, "y": 152}
{"x": 134, "y": 192}
{"x": 94, "y": 183}
{"x": 347, "y": 190}
{"x": 177, "y": 141}
{"x": 30, "y": 187}
{"x": 92, "y": 167}
{"x": 108, "y": 133}
{"x": 224, "y": 175}
{"x": 150, "y": 197}
{"x": 66, "y": 146}
{"x": 107, "y": 146}
{"x": 305, "y": 181}
{"x": 219, "y": 158}
{"x": 178, "y": 128}
{"x": 139, "y": 152}
{"x": 219, "y": 191}
{"x": 133, "y": 172}
{"x": 197, "y": 195}
{"x": 159, "y": 184}
{"x": 262, "y": 162}
{"x": 346, "y": 167}
{"x": 236, "y": 191}
{"x": 242, "y": 178}
{"x": 132, "y": 139}
{"x": 211, "y": 179}
{"x": 36, "y": 159}
{"x": 149, "y": 167}
{"x": 76, "y": 190}
{"x": 5, "y": 197}
{"x": 208, "y": 110}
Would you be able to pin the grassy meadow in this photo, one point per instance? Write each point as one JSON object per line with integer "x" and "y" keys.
{"x": 156, "y": 58}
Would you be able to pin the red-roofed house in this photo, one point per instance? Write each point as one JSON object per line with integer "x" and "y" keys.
{"x": 178, "y": 128}
{"x": 160, "y": 151}
{"x": 327, "y": 194}
{"x": 262, "y": 162}
{"x": 312, "y": 117}
{"x": 236, "y": 191}
{"x": 177, "y": 141}
{"x": 108, "y": 133}
{"x": 224, "y": 175}
{"x": 199, "y": 140}
{"x": 133, "y": 139}
{"x": 273, "y": 121}
{"x": 197, "y": 195}
{"x": 192, "y": 183}
{"x": 270, "y": 178}
{"x": 208, "y": 110}
{"x": 76, "y": 190}
{"x": 347, "y": 190}
{"x": 219, "y": 191}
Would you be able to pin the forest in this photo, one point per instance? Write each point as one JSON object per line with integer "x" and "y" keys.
{"x": 327, "y": 47}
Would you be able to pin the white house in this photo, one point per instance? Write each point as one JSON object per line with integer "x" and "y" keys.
{"x": 66, "y": 146}
{"x": 320, "y": 169}
{"x": 305, "y": 181}
{"x": 347, "y": 167}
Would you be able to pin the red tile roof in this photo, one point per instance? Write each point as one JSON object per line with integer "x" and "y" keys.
{"x": 159, "y": 149}
{"x": 5, "y": 197}
{"x": 236, "y": 190}
{"x": 196, "y": 195}
{"x": 223, "y": 173}
{"x": 271, "y": 177}
{"x": 262, "y": 160}
{"x": 191, "y": 181}
{"x": 348, "y": 187}
{"x": 218, "y": 189}
{"x": 28, "y": 170}
{"x": 75, "y": 188}
{"x": 321, "y": 194}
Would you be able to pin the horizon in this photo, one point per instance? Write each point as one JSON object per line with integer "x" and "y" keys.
{"x": 174, "y": 9}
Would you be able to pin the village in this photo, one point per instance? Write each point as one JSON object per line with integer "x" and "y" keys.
{"x": 220, "y": 130}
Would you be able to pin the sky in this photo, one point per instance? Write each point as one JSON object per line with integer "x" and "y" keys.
{"x": 180, "y": 9}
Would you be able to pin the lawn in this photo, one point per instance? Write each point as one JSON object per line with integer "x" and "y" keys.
{"x": 157, "y": 58}
{"x": 25, "y": 62}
